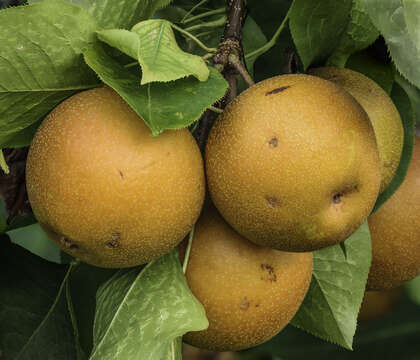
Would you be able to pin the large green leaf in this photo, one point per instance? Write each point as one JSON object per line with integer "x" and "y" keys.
{"x": 123, "y": 14}
{"x": 34, "y": 239}
{"x": 392, "y": 337}
{"x": 388, "y": 17}
{"x": 412, "y": 18}
{"x": 332, "y": 304}
{"x": 34, "y": 319}
{"x": 162, "y": 106}
{"x": 316, "y": 27}
{"x": 402, "y": 102}
{"x": 153, "y": 44}
{"x": 359, "y": 34}
{"x": 413, "y": 94}
{"x": 140, "y": 314}
{"x": 84, "y": 282}
{"x": 40, "y": 63}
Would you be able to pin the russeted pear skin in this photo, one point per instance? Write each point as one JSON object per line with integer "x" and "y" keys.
{"x": 395, "y": 233}
{"x": 292, "y": 163}
{"x": 378, "y": 304}
{"x": 382, "y": 113}
{"x": 104, "y": 189}
{"x": 250, "y": 293}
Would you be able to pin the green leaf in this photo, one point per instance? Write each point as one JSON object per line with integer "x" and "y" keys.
{"x": 316, "y": 27}
{"x": 162, "y": 106}
{"x": 393, "y": 337}
{"x": 153, "y": 44}
{"x": 34, "y": 319}
{"x": 140, "y": 313}
{"x": 413, "y": 94}
{"x": 412, "y": 18}
{"x": 379, "y": 72}
{"x": 40, "y": 64}
{"x": 21, "y": 138}
{"x": 332, "y": 304}
{"x": 413, "y": 290}
{"x": 359, "y": 34}
{"x": 388, "y": 17}
{"x": 252, "y": 39}
{"x": 83, "y": 283}
{"x": 34, "y": 239}
{"x": 123, "y": 14}
{"x": 402, "y": 102}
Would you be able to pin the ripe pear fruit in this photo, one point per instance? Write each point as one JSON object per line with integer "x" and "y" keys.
{"x": 249, "y": 292}
{"x": 292, "y": 163}
{"x": 378, "y": 304}
{"x": 395, "y": 233}
{"x": 104, "y": 189}
{"x": 382, "y": 113}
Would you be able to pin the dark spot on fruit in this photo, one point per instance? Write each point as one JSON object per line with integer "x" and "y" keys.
{"x": 121, "y": 174}
{"x": 337, "y": 198}
{"x": 273, "y": 142}
{"x": 269, "y": 273}
{"x": 244, "y": 305}
{"x": 277, "y": 90}
{"x": 332, "y": 77}
{"x": 257, "y": 305}
{"x": 66, "y": 242}
{"x": 273, "y": 202}
{"x": 114, "y": 242}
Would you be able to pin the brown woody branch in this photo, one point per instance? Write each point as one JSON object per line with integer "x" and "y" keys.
{"x": 228, "y": 60}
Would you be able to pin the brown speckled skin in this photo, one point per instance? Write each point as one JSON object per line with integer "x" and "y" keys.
{"x": 104, "y": 189}
{"x": 276, "y": 161}
{"x": 395, "y": 233}
{"x": 382, "y": 113}
{"x": 250, "y": 293}
{"x": 377, "y": 304}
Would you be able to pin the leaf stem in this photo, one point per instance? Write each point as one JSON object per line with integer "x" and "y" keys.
{"x": 192, "y": 37}
{"x": 211, "y": 24}
{"x": 215, "y": 109}
{"x": 205, "y": 14}
{"x": 272, "y": 41}
{"x": 192, "y": 10}
{"x": 188, "y": 250}
{"x": 3, "y": 163}
{"x": 131, "y": 64}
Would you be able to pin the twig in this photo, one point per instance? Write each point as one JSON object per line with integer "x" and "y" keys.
{"x": 239, "y": 67}
{"x": 192, "y": 10}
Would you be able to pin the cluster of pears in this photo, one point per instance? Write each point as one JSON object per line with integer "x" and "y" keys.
{"x": 294, "y": 164}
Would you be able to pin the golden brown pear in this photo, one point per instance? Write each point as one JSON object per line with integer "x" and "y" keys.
{"x": 377, "y": 304}
{"x": 249, "y": 293}
{"x": 292, "y": 163}
{"x": 382, "y": 113}
{"x": 104, "y": 189}
{"x": 395, "y": 233}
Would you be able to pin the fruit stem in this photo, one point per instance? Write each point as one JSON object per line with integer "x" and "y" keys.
{"x": 192, "y": 37}
{"x": 272, "y": 42}
{"x": 188, "y": 250}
